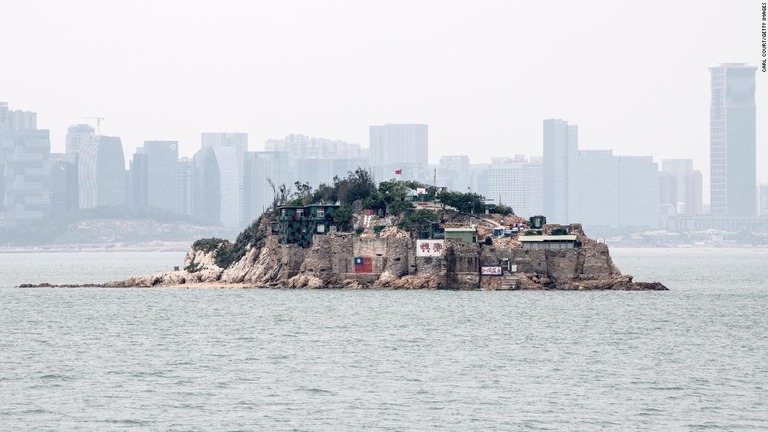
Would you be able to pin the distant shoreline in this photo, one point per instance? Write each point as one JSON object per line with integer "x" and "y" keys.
{"x": 181, "y": 246}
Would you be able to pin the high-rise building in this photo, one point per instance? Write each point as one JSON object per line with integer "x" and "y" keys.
{"x": 16, "y": 120}
{"x": 685, "y": 183}
{"x": 261, "y": 168}
{"x": 560, "y": 167}
{"x": 26, "y": 176}
{"x": 306, "y": 147}
{"x": 238, "y": 142}
{"x": 217, "y": 187}
{"x": 668, "y": 193}
{"x": 318, "y": 160}
{"x": 24, "y": 168}
{"x": 101, "y": 172}
{"x": 186, "y": 185}
{"x": 399, "y": 151}
{"x": 138, "y": 179}
{"x": 764, "y": 199}
{"x": 638, "y": 187}
{"x": 677, "y": 168}
{"x": 206, "y": 188}
{"x": 77, "y": 135}
{"x": 480, "y": 178}
{"x": 162, "y": 174}
{"x": 732, "y": 140}
{"x": 693, "y": 204}
{"x": 454, "y": 173}
{"x": 598, "y": 188}
{"x": 64, "y": 188}
{"x": 517, "y": 183}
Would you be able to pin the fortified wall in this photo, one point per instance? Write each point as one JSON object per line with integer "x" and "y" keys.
{"x": 391, "y": 260}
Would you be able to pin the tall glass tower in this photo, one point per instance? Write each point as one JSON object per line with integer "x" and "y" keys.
{"x": 733, "y": 178}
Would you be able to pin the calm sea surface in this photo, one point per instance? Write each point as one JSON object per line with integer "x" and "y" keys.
{"x": 693, "y": 358}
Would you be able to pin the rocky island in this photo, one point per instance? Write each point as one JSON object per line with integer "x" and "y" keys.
{"x": 397, "y": 235}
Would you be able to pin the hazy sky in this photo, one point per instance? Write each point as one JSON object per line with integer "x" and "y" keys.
{"x": 483, "y": 74}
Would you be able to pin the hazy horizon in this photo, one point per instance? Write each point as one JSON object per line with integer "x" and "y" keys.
{"x": 483, "y": 75}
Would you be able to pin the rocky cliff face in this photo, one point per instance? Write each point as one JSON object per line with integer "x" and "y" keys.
{"x": 393, "y": 264}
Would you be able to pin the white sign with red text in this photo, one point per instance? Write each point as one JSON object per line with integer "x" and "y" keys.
{"x": 429, "y": 248}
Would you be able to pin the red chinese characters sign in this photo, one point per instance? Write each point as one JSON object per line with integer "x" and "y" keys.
{"x": 426, "y": 248}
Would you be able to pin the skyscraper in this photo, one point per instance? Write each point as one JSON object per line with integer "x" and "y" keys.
{"x": 24, "y": 168}
{"x": 638, "y": 187}
{"x": 764, "y": 199}
{"x": 454, "y": 173}
{"x": 687, "y": 194}
{"x": 231, "y": 170}
{"x": 693, "y": 204}
{"x": 236, "y": 140}
{"x": 399, "y": 147}
{"x": 64, "y": 193}
{"x": 101, "y": 172}
{"x": 516, "y": 182}
{"x": 598, "y": 188}
{"x": 77, "y": 136}
{"x": 732, "y": 140}
{"x": 138, "y": 177}
{"x": 561, "y": 146}
{"x": 260, "y": 169}
{"x": 162, "y": 174}
{"x": 186, "y": 185}
{"x": 217, "y": 187}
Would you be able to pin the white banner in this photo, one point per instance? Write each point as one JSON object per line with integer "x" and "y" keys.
{"x": 425, "y": 248}
{"x": 490, "y": 270}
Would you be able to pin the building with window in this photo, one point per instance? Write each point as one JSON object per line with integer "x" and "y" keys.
{"x": 517, "y": 183}
{"x": 261, "y": 168}
{"x": 732, "y": 122}
{"x": 217, "y": 185}
{"x": 399, "y": 151}
{"x": 77, "y": 136}
{"x": 297, "y": 225}
{"x": 560, "y": 168}
{"x": 162, "y": 174}
{"x": 101, "y": 173}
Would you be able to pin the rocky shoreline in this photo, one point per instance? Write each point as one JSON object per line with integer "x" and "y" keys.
{"x": 330, "y": 263}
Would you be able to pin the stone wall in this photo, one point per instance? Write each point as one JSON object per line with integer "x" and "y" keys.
{"x": 329, "y": 263}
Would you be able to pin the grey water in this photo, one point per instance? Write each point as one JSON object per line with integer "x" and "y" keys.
{"x": 692, "y": 358}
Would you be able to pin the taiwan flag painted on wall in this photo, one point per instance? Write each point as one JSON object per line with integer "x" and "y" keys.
{"x": 363, "y": 265}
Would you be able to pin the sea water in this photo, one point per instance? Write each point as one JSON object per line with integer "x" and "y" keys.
{"x": 692, "y": 358}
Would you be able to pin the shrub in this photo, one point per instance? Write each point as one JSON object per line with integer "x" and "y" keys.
{"x": 207, "y": 244}
{"x": 342, "y": 218}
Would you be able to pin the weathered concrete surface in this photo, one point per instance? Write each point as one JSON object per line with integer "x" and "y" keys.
{"x": 329, "y": 263}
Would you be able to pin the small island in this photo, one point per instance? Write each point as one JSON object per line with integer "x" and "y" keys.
{"x": 397, "y": 235}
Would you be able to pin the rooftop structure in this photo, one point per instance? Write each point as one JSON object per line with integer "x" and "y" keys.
{"x": 297, "y": 224}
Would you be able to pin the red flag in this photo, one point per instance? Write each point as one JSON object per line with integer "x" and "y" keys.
{"x": 363, "y": 265}
{"x": 398, "y": 172}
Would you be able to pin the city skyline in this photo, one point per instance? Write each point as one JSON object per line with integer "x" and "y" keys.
{"x": 482, "y": 76}
{"x": 226, "y": 184}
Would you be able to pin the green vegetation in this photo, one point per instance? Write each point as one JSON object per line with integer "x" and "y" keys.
{"x": 419, "y": 221}
{"x": 228, "y": 253}
{"x": 464, "y": 202}
{"x": 500, "y": 209}
{"x": 208, "y": 244}
{"x": 343, "y": 218}
{"x": 192, "y": 267}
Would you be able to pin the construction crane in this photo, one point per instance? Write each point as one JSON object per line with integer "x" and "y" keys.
{"x": 98, "y": 123}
